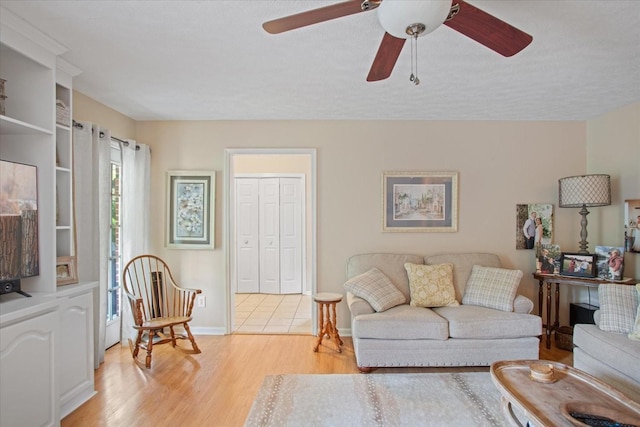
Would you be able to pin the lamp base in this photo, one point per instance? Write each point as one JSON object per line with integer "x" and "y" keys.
{"x": 583, "y": 232}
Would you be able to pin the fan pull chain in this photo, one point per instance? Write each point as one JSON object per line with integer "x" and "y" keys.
{"x": 414, "y": 55}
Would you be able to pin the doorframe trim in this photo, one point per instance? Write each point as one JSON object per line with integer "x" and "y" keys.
{"x": 229, "y": 153}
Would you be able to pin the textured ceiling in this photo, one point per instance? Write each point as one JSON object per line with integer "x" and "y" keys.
{"x": 211, "y": 60}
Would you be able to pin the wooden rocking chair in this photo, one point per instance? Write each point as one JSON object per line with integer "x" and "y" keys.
{"x": 157, "y": 302}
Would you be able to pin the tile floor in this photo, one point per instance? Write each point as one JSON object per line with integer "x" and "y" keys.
{"x": 273, "y": 314}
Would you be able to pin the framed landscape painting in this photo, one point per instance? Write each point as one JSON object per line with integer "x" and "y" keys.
{"x": 420, "y": 201}
{"x": 190, "y": 209}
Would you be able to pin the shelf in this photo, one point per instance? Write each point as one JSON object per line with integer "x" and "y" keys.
{"x": 11, "y": 126}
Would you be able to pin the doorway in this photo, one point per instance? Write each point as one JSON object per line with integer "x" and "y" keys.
{"x": 278, "y": 304}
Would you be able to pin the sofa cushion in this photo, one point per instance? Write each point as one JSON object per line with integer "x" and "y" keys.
{"x": 462, "y": 264}
{"x": 392, "y": 265}
{"x": 431, "y": 285}
{"x": 611, "y": 348}
{"x": 618, "y": 307}
{"x": 376, "y": 288}
{"x": 635, "y": 332}
{"x": 469, "y": 321}
{"x": 402, "y": 322}
{"x": 492, "y": 287}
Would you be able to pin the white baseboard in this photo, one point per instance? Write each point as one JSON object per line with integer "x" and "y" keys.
{"x": 207, "y": 330}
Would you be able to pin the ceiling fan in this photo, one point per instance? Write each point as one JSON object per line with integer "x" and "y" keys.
{"x": 404, "y": 19}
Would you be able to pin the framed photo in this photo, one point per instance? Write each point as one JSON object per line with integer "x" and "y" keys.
{"x": 610, "y": 262}
{"x": 548, "y": 259}
{"x": 190, "y": 209}
{"x": 420, "y": 201}
{"x": 66, "y": 270}
{"x": 581, "y": 265}
{"x": 632, "y": 225}
{"x": 534, "y": 225}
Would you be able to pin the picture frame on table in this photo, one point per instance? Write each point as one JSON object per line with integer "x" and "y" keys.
{"x": 66, "y": 270}
{"x": 610, "y": 262}
{"x": 548, "y": 259}
{"x": 579, "y": 265}
{"x": 420, "y": 202}
{"x": 190, "y": 209}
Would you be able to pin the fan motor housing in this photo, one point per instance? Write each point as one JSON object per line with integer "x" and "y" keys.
{"x": 396, "y": 16}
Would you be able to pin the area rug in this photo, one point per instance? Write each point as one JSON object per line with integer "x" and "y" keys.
{"x": 439, "y": 399}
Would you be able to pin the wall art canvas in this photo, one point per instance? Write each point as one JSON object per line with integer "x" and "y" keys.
{"x": 190, "y": 209}
{"x": 610, "y": 261}
{"x": 534, "y": 225}
{"x": 420, "y": 201}
{"x": 632, "y": 225}
{"x": 18, "y": 221}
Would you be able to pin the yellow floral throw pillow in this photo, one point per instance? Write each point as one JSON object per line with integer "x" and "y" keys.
{"x": 431, "y": 285}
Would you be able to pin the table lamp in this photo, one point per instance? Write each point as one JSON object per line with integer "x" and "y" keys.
{"x": 582, "y": 192}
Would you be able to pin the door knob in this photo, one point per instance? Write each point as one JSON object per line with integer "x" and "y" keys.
{"x": 246, "y": 242}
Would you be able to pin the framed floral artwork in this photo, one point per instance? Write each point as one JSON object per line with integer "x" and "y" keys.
{"x": 420, "y": 201}
{"x": 190, "y": 209}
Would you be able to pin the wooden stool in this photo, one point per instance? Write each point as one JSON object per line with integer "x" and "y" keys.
{"x": 327, "y": 318}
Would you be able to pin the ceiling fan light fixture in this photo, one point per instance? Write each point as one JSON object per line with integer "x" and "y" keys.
{"x": 398, "y": 17}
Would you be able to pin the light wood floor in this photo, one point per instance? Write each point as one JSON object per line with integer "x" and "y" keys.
{"x": 216, "y": 387}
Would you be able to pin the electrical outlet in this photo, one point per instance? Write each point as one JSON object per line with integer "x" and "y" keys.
{"x": 201, "y": 301}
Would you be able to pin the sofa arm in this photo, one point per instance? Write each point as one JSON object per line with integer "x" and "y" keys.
{"x": 522, "y": 304}
{"x": 358, "y": 306}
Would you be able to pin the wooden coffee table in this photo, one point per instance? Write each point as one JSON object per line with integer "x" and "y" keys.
{"x": 542, "y": 404}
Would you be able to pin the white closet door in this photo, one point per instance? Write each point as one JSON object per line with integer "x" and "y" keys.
{"x": 269, "y": 235}
{"x": 248, "y": 266}
{"x": 290, "y": 235}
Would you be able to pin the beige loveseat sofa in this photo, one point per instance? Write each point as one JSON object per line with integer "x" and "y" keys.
{"x": 610, "y": 349}
{"x": 463, "y": 335}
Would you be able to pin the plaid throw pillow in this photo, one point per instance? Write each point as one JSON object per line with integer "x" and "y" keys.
{"x": 376, "y": 288}
{"x": 618, "y": 306}
{"x": 492, "y": 287}
{"x": 635, "y": 333}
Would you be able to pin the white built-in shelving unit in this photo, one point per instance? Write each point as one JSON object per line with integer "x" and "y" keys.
{"x": 46, "y": 341}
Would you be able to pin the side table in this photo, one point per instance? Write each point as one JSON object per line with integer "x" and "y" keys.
{"x": 327, "y": 318}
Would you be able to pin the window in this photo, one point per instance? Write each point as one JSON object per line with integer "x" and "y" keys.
{"x": 114, "y": 292}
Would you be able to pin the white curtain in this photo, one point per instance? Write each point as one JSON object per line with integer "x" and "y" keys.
{"x": 92, "y": 180}
{"x": 136, "y": 186}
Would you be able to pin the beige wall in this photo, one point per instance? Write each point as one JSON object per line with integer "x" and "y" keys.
{"x": 501, "y": 164}
{"x": 88, "y": 110}
{"x": 613, "y": 147}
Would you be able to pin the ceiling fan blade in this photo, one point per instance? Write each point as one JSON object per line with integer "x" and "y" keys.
{"x": 488, "y": 30}
{"x": 315, "y": 16}
{"x": 386, "y": 58}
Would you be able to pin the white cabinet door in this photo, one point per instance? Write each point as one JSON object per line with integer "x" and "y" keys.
{"x": 75, "y": 352}
{"x": 247, "y": 258}
{"x": 269, "y": 235}
{"x": 290, "y": 236}
{"x": 28, "y": 392}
